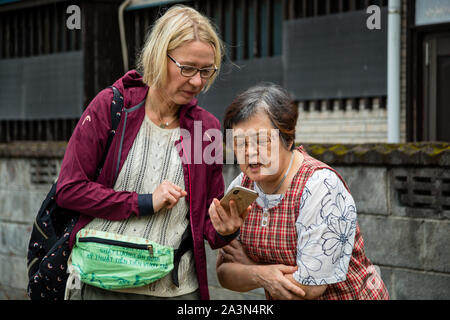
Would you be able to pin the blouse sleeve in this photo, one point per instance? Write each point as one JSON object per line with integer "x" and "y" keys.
{"x": 326, "y": 228}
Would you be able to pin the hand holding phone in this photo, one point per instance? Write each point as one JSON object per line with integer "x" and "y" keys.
{"x": 226, "y": 218}
{"x": 243, "y": 197}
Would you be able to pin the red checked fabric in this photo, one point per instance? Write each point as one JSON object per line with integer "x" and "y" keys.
{"x": 271, "y": 237}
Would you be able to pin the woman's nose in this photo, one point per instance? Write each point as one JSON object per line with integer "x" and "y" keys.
{"x": 252, "y": 153}
{"x": 196, "y": 80}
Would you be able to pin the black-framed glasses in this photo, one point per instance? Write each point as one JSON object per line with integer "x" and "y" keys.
{"x": 190, "y": 71}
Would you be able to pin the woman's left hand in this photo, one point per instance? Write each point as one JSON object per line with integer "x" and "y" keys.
{"x": 226, "y": 222}
{"x": 235, "y": 252}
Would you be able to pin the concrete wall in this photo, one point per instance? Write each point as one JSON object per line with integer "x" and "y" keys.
{"x": 20, "y": 200}
{"x": 411, "y": 251}
{"x": 410, "y": 245}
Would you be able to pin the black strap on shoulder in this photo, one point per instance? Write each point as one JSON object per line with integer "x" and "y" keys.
{"x": 116, "y": 109}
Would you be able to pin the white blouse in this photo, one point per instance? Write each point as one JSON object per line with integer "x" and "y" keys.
{"x": 326, "y": 227}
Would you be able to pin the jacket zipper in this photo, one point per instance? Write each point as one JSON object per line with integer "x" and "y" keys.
{"x": 189, "y": 181}
{"x": 190, "y": 196}
{"x": 148, "y": 247}
{"x": 125, "y": 111}
{"x": 116, "y": 173}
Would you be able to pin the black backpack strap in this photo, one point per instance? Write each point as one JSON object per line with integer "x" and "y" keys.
{"x": 116, "y": 110}
{"x": 185, "y": 245}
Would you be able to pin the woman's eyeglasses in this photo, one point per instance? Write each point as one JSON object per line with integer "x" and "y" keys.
{"x": 190, "y": 71}
{"x": 261, "y": 141}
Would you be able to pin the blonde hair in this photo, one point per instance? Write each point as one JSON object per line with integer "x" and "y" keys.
{"x": 178, "y": 25}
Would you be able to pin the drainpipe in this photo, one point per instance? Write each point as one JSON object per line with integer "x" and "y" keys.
{"x": 393, "y": 70}
{"x": 123, "y": 41}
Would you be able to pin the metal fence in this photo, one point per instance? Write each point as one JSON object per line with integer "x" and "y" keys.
{"x": 250, "y": 28}
{"x": 30, "y": 31}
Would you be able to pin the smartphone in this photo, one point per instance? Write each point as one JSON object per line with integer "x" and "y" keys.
{"x": 241, "y": 195}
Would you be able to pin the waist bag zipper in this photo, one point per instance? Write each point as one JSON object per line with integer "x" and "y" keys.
{"x": 148, "y": 247}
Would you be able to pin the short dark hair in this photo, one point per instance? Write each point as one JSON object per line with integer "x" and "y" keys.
{"x": 270, "y": 98}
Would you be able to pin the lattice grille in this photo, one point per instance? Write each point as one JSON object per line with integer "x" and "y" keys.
{"x": 426, "y": 188}
{"x": 44, "y": 171}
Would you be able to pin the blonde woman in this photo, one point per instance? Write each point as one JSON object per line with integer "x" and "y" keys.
{"x": 149, "y": 187}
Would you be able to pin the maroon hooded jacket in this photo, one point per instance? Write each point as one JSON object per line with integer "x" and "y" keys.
{"x": 77, "y": 191}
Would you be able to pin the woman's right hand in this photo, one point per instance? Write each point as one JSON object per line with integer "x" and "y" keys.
{"x": 167, "y": 195}
{"x": 272, "y": 278}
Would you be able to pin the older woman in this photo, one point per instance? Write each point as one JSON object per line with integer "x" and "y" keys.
{"x": 149, "y": 189}
{"x": 301, "y": 239}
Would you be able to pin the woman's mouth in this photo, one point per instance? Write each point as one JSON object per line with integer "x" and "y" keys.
{"x": 255, "y": 167}
{"x": 190, "y": 93}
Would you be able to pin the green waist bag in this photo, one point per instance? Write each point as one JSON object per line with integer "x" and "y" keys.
{"x": 111, "y": 261}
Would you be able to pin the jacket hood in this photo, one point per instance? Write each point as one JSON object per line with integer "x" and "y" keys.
{"x": 134, "y": 90}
